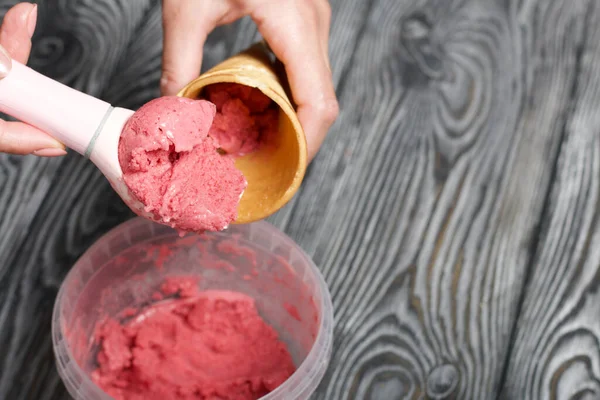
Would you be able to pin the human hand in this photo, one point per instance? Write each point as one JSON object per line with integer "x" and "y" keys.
{"x": 15, "y": 40}
{"x": 297, "y": 31}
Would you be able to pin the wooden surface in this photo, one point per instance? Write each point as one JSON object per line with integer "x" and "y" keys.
{"x": 454, "y": 207}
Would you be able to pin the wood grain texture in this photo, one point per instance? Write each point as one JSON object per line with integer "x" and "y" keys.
{"x": 423, "y": 202}
{"x": 556, "y": 351}
{"x": 422, "y": 208}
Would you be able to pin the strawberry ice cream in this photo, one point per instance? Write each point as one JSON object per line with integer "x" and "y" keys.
{"x": 207, "y": 345}
{"x": 245, "y": 119}
{"x": 171, "y": 153}
{"x": 172, "y": 166}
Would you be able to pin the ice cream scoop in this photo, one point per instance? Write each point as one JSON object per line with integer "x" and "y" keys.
{"x": 88, "y": 125}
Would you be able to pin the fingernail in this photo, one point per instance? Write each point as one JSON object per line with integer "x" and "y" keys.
{"x": 50, "y": 152}
{"x": 31, "y": 20}
{"x": 5, "y": 63}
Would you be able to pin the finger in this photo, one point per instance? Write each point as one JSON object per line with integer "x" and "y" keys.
{"x": 291, "y": 29}
{"x": 186, "y": 24}
{"x": 324, "y": 26}
{"x": 20, "y": 138}
{"x": 17, "y": 29}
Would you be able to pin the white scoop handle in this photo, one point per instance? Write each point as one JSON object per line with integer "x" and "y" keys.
{"x": 70, "y": 116}
{"x": 89, "y": 126}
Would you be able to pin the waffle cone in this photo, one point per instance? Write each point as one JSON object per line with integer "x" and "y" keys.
{"x": 274, "y": 173}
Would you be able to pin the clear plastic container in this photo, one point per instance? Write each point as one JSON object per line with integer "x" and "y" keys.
{"x": 256, "y": 259}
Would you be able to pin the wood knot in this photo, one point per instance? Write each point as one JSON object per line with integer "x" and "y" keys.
{"x": 62, "y": 51}
{"x": 442, "y": 381}
{"x": 416, "y": 27}
{"x": 416, "y": 37}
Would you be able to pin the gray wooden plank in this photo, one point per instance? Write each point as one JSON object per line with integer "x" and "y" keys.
{"x": 422, "y": 204}
{"x": 556, "y": 353}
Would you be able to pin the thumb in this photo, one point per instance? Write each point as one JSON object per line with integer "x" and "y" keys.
{"x": 16, "y": 30}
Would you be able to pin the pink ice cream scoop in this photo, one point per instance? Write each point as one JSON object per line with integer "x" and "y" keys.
{"x": 159, "y": 159}
{"x": 172, "y": 166}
